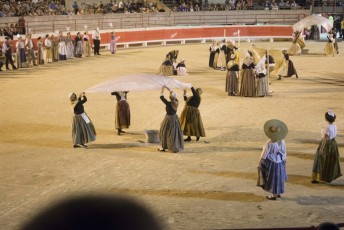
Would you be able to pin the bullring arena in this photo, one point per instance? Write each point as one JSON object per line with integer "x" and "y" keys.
{"x": 209, "y": 185}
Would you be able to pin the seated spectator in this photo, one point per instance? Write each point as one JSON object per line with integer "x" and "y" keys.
{"x": 294, "y": 6}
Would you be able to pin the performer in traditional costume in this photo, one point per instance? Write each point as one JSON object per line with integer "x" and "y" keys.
{"x": 262, "y": 86}
{"x": 326, "y": 165}
{"x": 78, "y": 45}
{"x": 295, "y": 48}
{"x": 86, "y": 45}
{"x": 54, "y": 48}
{"x": 48, "y": 51}
{"x": 190, "y": 118}
{"x": 248, "y": 82}
{"x": 221, "y": 62}
{"x": 69, "y": 46}
{"x": 21, "y": 53}
{"x": 329, "y": 48}
{"x": 40, "y": 55}
{"x": 232, "y": 77}
{"x": 30, "y": 51}
{"x": 122, "y": 118}
{"x": 212, "y": 51}
{"x": 62, "y": 48}
{"x": 170, "y": 134}
{"x": 287, "y": 69}
{"x": 230, "y": 49}
{"x": 217, "y": 53}
{"x": 167, "y": 67}
{"x": 113, "y": 47}
{"x": 6, "y": 49}
{"x": 181, "y": 68}
{"x": 335, "y": 43}
{"x": 272, "y": 172}
{"x": 83, "y": 130}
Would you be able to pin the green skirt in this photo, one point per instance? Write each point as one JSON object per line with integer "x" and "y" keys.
{"x": 326, "y": 162}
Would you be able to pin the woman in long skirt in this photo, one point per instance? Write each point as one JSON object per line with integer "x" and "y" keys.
{"x": 329, "y": 48}
{"x": 212, "y": 51}
{"x": 190, "y": 119}
{"x": 262, "y": 86}
{"x": 78, "y": 46}
{"x": 216, "y": 56}
{"x": 86, "y": 45}
{"x": 170, "y": 134}
{"x": 62, "y": 50}
{"x": 272, "y": 166}
{"x": 83, "y": 130}
{"x": 232, "y": 83}
{"x": 287, "y": 69}
{"x": 326, "y": 162}
{"x": 122, "y": 118}
{"x": 69, "y": 46}
{"x": 295, "y": 48}
{"x": 40, "y": 58}
{"x": 248, "y": 82}
{"x": 221, "y": 61}
{"x": 113, "y": 47}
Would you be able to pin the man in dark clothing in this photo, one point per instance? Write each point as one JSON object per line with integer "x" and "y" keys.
{"x": 6, "y": 48}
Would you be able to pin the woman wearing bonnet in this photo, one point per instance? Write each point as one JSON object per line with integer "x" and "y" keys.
{"x": 326, "y": 165}
{"x": 232, "y": 77}
{"x": 170, "y": 134}
{"x": 82, "y": 128}
{"x": 272, "y": 167}
{"x": 248, "y": 83}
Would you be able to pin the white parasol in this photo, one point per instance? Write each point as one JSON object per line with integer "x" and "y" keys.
{"x": 137, "y": 82}
{"x": 313, "y": 20}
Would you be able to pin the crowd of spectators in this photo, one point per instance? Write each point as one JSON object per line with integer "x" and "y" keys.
{"x": 11, "y": 8}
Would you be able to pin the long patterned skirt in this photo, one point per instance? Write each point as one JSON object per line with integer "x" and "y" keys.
{"x": 211, "y": 59}
{"x": 82, "y": 132}
{"x": 170, "y": 134}
{"x": 273, "y": 176}
{"x": 191, "y": 122}
{"x": 232, "y": 85}
{"x": 166, "y": 70}
{"x": 295, "y": 49}
{"x": 122, "y": 118}
{"x": 248, "y": 83}
{"x": 326, "y": 162}
{"x": 262, "y": 87}
{"x": 329, "y": 49}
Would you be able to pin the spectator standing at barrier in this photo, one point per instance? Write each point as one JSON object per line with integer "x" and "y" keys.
{"x": 48, "y": 50}
{"x": 40, "y": 56}
{"x": 113, "y": 47}
{"x": 76, "y": 7}
{"x": 86, "y": 45}
{"x": 21, "y": 25}
{"x": 21, "y": 53}
{"x": 232, "y": 77}
{"x": 122, "y": 118}
{"x": 96, "y": 41}
{"x": 78, "y": 45}
{"x": 272, "y": 172}
{"x": 6, "y": 49}
{"x": 83, "y": 130}
{"x": 326, "y": 165}
{"x": 190, "y": 118}
{"x": 248, "y": 82}
{"x": 212, "y": 51}
{"x": 30, "y": 51}
{"x": 69, "y": 46}
{"x": 170, "y": 134}
{"x": 287, "y": 69}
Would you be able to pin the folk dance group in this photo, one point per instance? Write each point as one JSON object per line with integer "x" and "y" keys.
{"x": 53, "y": 48}
{"x": 172, "y": 128}
{"x": 272, "y": 166}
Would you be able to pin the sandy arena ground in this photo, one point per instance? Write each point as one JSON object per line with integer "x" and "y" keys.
{"x": 211, "y": 184}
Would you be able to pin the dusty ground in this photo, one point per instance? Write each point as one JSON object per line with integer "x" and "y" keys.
{"x": 209, "y": 185}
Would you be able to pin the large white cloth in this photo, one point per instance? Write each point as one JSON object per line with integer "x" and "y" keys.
{"x": 138, "y": 82}
{"x": 313, "y": 20}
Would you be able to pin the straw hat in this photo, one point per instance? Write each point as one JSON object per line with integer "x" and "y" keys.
{"x": 275, "y": 129}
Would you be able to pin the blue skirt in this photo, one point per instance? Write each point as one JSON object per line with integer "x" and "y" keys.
{"x": 273, "y": 176}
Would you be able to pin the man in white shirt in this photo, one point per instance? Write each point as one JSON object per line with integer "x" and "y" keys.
{"x": 96, "y": 41}
{"x": 30, "y": 50}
